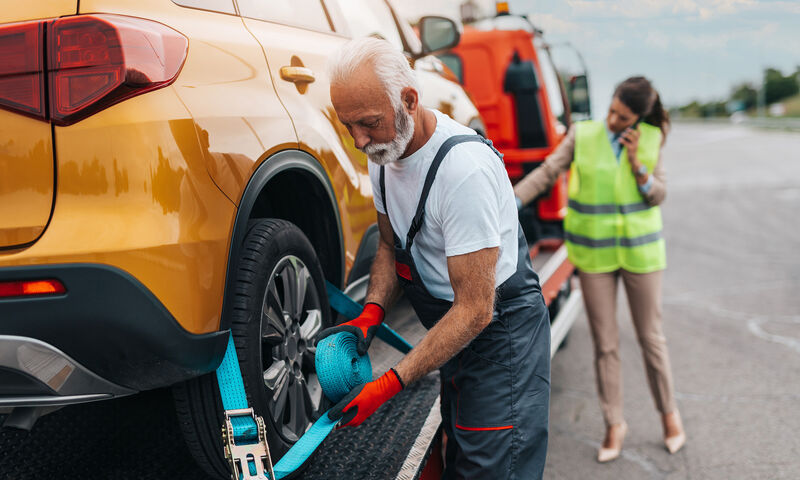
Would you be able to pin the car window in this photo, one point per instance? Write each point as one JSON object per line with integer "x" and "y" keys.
{"x": 222, "y": 6}
{"x": 303, "y": 13}
{"x": 551, "y": 81}
{"x": 371, "y": 17}
{"x": 453, "y": 62}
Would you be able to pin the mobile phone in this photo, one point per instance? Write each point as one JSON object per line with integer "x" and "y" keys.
{"x": 635, "y": 124}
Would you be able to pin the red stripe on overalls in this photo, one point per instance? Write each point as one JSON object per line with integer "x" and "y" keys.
{"x": 403, "y": 270}
{"x": 481, "y": 429}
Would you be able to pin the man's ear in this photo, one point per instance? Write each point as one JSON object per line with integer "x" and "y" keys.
{"x": 410, "y": 99}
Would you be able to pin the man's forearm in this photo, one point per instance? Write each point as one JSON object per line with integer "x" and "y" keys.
{"x": 451, "y": 334}
{"x": 383, "y": 286}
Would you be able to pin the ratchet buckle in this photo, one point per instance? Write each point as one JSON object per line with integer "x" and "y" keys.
{"x": 249, "y": 460}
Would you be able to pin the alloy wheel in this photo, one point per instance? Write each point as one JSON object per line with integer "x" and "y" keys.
{"x": 291, "y": 317}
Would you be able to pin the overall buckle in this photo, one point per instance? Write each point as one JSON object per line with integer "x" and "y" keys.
{"x": 244, "y": 458}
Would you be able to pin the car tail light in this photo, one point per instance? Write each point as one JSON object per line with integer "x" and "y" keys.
{"x": 93, "y": 62}
{"x": 22, "y": 81}
{"x": 27, "y": 288}
{"x": 97, "y": 61}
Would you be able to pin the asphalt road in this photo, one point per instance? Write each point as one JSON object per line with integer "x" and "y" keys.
{"x": 731, "y": 317}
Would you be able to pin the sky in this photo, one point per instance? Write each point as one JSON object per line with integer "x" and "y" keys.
{"x": 690, "y": 49}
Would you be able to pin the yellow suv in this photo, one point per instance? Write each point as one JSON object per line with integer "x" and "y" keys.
{"x": 170, "y": 171}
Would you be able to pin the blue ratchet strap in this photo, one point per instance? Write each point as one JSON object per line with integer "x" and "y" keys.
{"x": 339, "y": 369}
{"x": 351, "y": 309}
{"x": 244, "y": 435}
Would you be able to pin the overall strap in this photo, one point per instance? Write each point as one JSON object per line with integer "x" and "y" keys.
{"x": 416, "y": 223}
{"x": 386, "y": 205}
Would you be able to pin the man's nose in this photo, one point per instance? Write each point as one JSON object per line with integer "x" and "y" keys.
{"x": 360, "y": 138}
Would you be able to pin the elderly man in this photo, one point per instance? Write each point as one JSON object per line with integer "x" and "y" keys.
{"x": 450, "y": 240}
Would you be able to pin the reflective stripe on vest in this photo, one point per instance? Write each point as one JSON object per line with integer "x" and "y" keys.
{"x": 608, "y": 208}
{"x": 612, "y": 242}
{"x": 609, "y": 225}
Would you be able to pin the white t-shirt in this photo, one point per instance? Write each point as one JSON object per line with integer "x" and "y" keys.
{"x": 470, "y": 207}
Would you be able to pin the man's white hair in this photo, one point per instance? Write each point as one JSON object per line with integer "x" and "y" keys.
{"x": 390, "y": 64}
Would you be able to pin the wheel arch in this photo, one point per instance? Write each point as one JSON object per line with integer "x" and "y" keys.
{"x": 275, "y": 191}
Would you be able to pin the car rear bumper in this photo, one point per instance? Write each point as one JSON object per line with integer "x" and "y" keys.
{"x": 108, "y": 329}
{"x": 34, "y": 373}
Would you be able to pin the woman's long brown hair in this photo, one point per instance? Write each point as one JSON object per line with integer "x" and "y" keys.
{"x": 638, "y": 94}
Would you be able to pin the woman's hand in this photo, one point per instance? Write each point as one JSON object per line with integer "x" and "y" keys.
{"x": 630, "y": 140}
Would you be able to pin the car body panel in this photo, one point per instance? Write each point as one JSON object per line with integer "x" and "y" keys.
{"x": 445, "y": 95}
{"x": 22, "y": 11}
{"x": 225, "y": 85}
{"x": 133, "y": 192}
{"x": 318, "y": 128}
{"x": 26, "y": 178}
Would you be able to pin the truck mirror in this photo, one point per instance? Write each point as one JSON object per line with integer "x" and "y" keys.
{"x": 438, "y": 33}
{"x": 579, "y": 95}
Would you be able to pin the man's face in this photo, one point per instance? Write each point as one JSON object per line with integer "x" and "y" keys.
{"x": 363, "y": 106}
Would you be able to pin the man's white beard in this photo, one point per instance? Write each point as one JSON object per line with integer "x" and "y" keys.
{"x": 383, "y": 153}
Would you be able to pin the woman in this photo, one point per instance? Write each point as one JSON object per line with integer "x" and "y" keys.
{"x": 613, "y": 231}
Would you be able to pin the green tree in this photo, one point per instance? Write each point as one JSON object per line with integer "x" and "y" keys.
{"x": 777, "y": 86}
{"x": 745, "y": 93}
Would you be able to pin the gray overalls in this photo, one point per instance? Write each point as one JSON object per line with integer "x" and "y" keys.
{"x": 495, "y": 395}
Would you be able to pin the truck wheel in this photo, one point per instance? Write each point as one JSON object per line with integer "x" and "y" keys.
{"x": 279, "y": 306}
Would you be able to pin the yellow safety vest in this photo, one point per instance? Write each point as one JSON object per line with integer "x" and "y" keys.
{"x": 608, "y": 224}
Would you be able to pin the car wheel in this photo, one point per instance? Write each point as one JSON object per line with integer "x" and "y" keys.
{"x": 279, "y": 306}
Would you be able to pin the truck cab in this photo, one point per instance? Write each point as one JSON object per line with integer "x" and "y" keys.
{"x": 505, "y": 64}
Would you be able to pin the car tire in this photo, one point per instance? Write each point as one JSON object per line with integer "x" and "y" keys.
{"x": 277, "y": 270}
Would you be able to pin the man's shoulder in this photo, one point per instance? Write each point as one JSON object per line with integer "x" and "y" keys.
{"x": 449, "y": 126}
{"x": 468, "y": 163}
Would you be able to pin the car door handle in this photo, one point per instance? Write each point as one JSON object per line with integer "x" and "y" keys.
{"x": 297, "y": 74}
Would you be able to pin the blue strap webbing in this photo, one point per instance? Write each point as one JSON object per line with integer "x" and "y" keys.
{"x": 351, "y": 309}
{"x": 339, "y": 369}
{"x": 231, "y": 389}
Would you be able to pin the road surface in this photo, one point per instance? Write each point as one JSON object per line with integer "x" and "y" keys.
{"x": 731, "y": 318}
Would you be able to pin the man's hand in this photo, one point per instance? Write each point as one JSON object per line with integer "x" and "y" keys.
{"x": 363, "y": 327}
{"x": 363, "y": 400}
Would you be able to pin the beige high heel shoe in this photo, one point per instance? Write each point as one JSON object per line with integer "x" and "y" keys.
{"x": 607, "y": 454}
{"x": 676, "y": 442}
